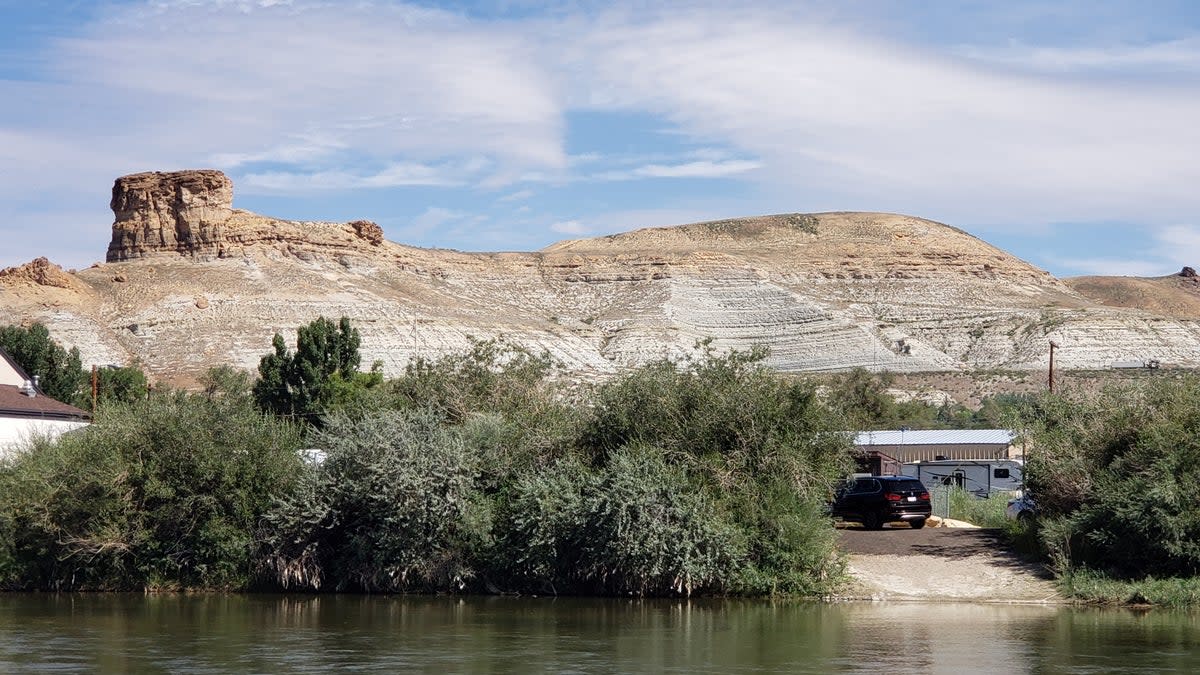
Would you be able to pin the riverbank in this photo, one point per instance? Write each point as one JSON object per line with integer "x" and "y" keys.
{"x": 941, "y": 564}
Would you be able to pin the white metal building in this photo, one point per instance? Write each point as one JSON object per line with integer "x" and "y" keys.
{"x": 905, "y": 446}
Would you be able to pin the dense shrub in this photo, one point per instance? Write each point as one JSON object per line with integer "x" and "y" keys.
{"x": 478, "y": 472}
{"x": 765, "y": 450}
{"x": 393, "y": 507}
{"x": 635, "y": 527}
{"x": 161, "y": 493}
{"x": 1115, "y": 476}
{"x": 731, "y": 415}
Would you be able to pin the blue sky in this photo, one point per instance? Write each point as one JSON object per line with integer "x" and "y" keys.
{"x": 1067, "y": 133}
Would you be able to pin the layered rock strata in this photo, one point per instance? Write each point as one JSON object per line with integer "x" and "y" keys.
{"x": 192, "y": 282}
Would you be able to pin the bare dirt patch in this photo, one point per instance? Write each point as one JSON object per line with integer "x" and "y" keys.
{"x": 941, "y": 564}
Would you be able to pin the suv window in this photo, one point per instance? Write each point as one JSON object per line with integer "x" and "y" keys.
{"x": 908, "y": 486}
{"x": 865, "y": 485}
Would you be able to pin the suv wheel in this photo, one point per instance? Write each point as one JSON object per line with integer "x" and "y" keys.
{"x": 872, "y": 521}
{"x": 917, "y": 524}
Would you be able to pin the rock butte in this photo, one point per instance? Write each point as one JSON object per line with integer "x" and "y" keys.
{"x": 190, "y": 283}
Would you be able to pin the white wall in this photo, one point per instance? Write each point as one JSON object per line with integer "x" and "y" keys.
{"x": 15, "y": 432}
{"x": 9, "y": 375}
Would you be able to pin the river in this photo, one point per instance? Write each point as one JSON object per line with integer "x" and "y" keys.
{"x": 118, "y": 633}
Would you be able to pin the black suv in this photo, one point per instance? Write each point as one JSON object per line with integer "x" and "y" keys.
{"x": 875, "y": 500}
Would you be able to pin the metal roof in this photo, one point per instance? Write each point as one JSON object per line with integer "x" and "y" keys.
{"x": 935, "y": 437}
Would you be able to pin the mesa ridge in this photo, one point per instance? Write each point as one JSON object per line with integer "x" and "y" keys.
{"x": 190, "y": 282}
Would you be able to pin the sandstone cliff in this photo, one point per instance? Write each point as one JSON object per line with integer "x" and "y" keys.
{"x": 191, "y": 282}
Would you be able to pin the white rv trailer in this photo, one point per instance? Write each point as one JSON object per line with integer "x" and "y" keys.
{"x": 978, "y": 476}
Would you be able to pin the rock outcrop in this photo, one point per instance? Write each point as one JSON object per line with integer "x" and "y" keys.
{"x": 190, "y": 214}
{"x": 39, "y": 272}
{"x": 180, "y": 212}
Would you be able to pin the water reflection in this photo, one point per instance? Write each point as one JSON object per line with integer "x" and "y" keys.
{"x": 268, "y": 634}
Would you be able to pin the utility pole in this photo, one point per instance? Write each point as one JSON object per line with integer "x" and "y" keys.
{"x": 1053, "y": 346}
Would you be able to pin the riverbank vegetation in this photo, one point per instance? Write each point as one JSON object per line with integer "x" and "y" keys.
{"x": 481, "y": 472}
{"x": 488, "y": 471}
{"x": 1115, "y": 476}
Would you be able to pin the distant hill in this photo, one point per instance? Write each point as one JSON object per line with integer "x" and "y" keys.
{"x": 1177, "y": 295}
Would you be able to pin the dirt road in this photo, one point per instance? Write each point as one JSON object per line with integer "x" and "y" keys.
{"x": 969, "y": 565}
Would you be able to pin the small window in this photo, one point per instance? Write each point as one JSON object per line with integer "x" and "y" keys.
{"x": 999, "y": 473}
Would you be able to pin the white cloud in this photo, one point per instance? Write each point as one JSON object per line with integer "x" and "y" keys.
{"x": 518, "y": 196}
{"x": 876, "y": 124}
{"x": 1174, "y": 55}
{"x": 302, "y": 151}
{"x": 394, "y": 175}
{"x": 698, "y": 169}
{"x": 310, "y": 95}
{"x": 571, "y": 227}
{"x": 1179, "y": 245}
{"x": 1109, "y": 267}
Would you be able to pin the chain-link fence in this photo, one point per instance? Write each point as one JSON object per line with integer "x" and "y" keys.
{"x": 949, "y": 501}
{"x": 939, "y": 497}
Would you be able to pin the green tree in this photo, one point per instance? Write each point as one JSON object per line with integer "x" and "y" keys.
{"x": 322, "y": 371}
{"x": 862, "y": 396}
{"x": 125, "y": 384}
{"x": 59, "y": 371}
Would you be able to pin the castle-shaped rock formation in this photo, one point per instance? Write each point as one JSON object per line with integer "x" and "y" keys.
{"x": 190, "y": 213}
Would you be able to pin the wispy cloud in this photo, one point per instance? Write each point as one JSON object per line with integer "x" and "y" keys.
{"x": 701, "y": 169}
{"x": 1170, "y": 56}
{"x": 518, "y": 196}
{"x": 571, "y": 227}
{"x": 394, "y": 175}
{"x": 808, "y": 108}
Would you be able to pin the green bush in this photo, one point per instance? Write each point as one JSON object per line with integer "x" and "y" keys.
{"x": 1089, "y": 586}
{"x": 635, "y": 527}
{"x": 1115, "y": 476}
{"x": 393, "y": 507}
{"x": 539, "y": 417}
{"x": 158, "y": 494}
{"x": 765, "y": 450}
{"x": 730, "y": 414}
{"x": 990, "y": 512}
{"x": 648, "y": 531}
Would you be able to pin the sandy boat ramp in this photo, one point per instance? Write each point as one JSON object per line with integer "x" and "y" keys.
{"x": 961, "y": 564}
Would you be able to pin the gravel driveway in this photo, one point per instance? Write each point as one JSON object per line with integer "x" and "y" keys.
{"x": 970, "y": 565}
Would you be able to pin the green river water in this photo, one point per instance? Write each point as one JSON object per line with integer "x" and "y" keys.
{"x": 121, "y": 633}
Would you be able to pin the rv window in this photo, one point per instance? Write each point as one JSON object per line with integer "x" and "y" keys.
{"x": 1000, "y": 473}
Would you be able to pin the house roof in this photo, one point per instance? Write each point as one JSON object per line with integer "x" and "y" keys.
{"x": 935, "y": 437}
{"x": 13, "y": 403}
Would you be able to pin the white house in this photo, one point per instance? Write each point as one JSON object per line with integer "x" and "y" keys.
{"x": 27, "y": 413}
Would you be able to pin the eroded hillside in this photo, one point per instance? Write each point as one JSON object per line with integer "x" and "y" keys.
{"x": 191, "y": 282}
